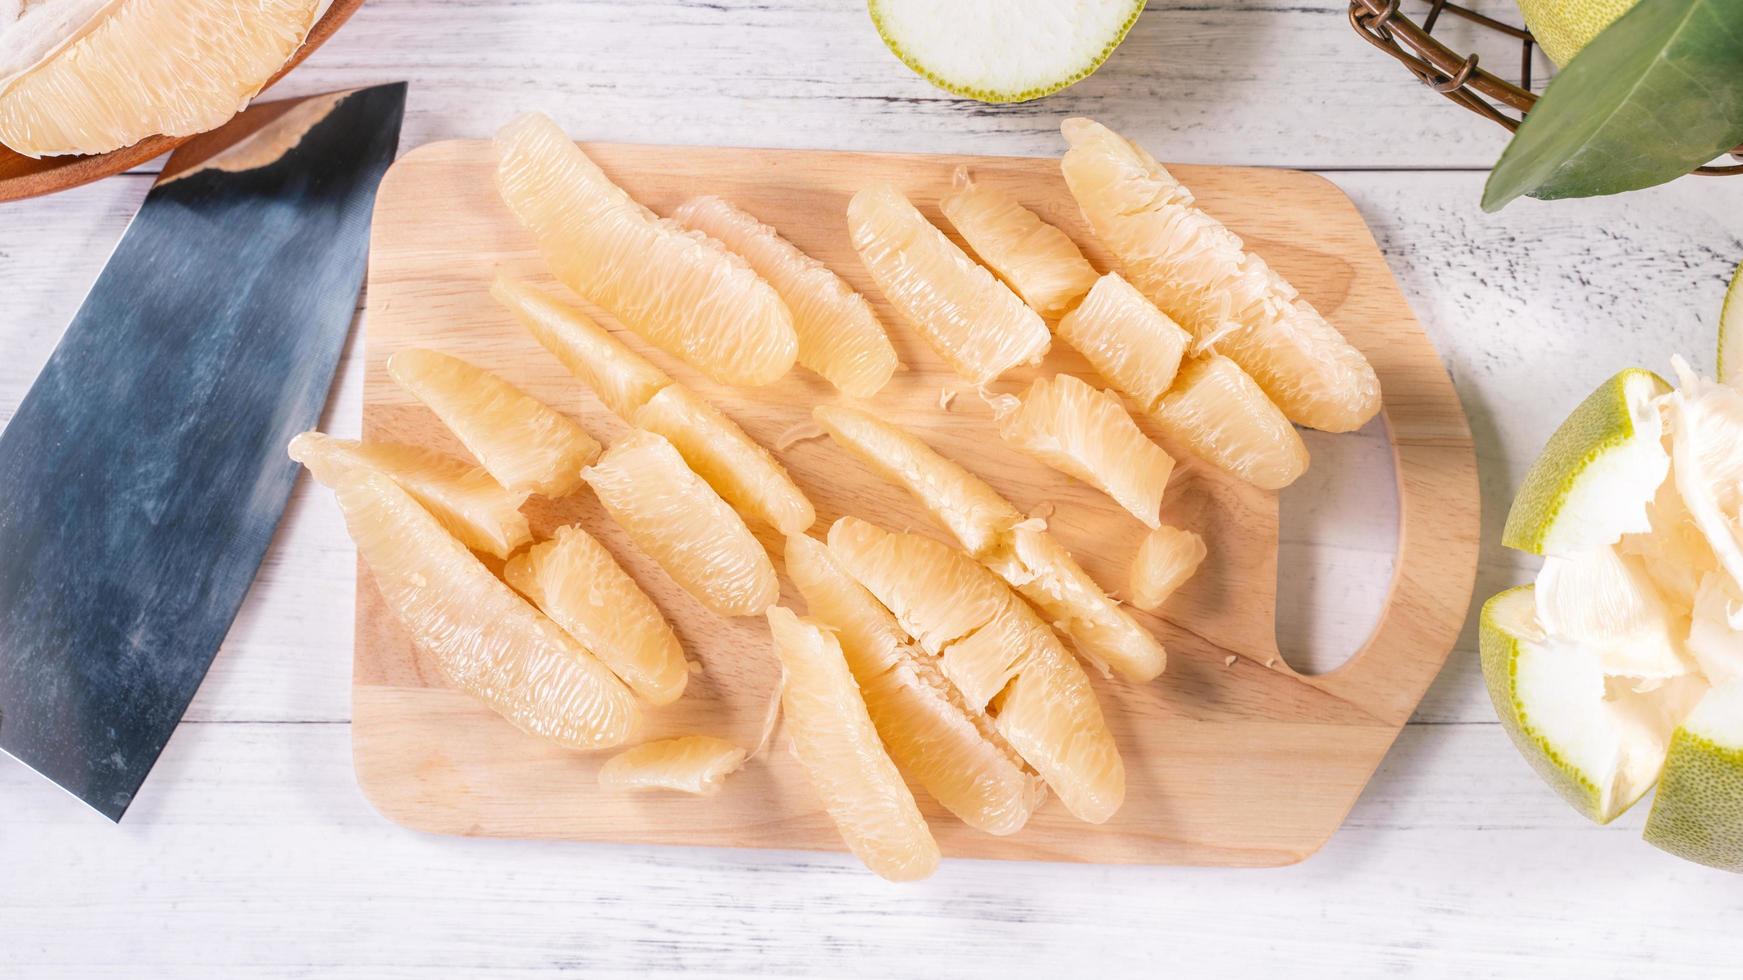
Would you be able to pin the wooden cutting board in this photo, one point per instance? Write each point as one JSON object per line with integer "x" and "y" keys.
{"x": 1243, "y": 764}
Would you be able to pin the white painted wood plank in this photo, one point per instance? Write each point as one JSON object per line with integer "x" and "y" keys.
{"x": 252, "y": 853}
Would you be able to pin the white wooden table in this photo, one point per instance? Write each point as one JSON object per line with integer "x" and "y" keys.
{"x": 250, "y": 851}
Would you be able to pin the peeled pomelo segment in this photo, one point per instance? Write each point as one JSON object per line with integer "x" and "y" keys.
{"x": 1731, "y": 332}
{"x": 678, "y": 520}
{"x": 1040, "y": 262}
{"x": 1606, "y": 603}
{"x": 681, "y": 290}
{"x": 1698, "y": 812}
{"x": 740, "y": 470}
{"x": 147, "y": 67}
{"x": 1715, "y": 637}
{"x": 1107, "y": 636}
{"x": 1596, "y": 475}
{"x": 485, "y": 639}
{"x": 1167, "y": 558}
{"x": 694, "y": 764}
{"x": 974, "y": 322}
{"x": 1002, "y": 51}
{"x": 840, "y": 337}
{"x": 576, "y": 582}
{"x": 1597, "y": 742}
{"x": 834, "y": 739}
{"x": 934, "y": 735}
{"x": 524, "y": 443}
{"x": 962, "y": 502}
{"x": 465, "y": 499}
{"x": 1200, "y": 273}
{"x": 1675, "y": 553}
{"x": 1126, "y": 339}
{"x": 1706, "y": 424}
{"x": 1088, "y": 434}
{"x": 1215, "y": 410}
{"x": 623, "y": 379}
{"x": 995, "y": 650}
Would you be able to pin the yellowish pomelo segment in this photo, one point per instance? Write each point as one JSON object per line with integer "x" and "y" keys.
{"x": 834, "y": 739}
{"x": 840, "y": 337}
{"x": 1126, "y": 339}
{"x": 524, "y": 443}
{"x": 582, "y": 588}
{"x": 1200, "y": 273}
{"x": 487, "y": 641}
{"x": 1034, "y": 258}
{"x": 1087, "y": 434}
{"x": 694, "y": 764}
{"x": 743, "y": 472}
{"x": 962, "y": 502}
{"x": 1596, "y": 475}
{"x": 1004, "y": 50}
{"x": 623, "y": 379}
{"x": 1607, "y": 603}
{"x": 1107, "y": 636}
{"x": 972, "y": 320}
{"x": 681, "y": 290}
{"x": 1596, "y": 742}
{"x": 466, "y": 500}
{"x": 144, "y": 67}
{"x": 1167, "y": 558}
{"x": 1731, "y": 332}
{"x": 1706, "y": 422}
{"x": 951, "y": 748}
{"x": 1562, "y": 27}
{"x": 1698, "y": 812}
{"x": 995, "y": 650}
{"x": 1215, "y": 410}
{"x": 678, "y": 520}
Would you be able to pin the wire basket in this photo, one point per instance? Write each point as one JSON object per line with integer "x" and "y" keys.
{"x": 1459, "y": 77}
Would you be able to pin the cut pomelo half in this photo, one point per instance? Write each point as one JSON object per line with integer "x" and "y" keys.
{"x": 1126, "y": 339}
{"x": 1107, "y": 636}
{"x": 952, "y": 749}
{"x": 740, "y": 470}
{"x": 1598, "y": 743}
{"x": 1000, "y": 50}
{"x": 1598, "y": 472}
{"x": 840, "y": 337}
{"x": 681, "y": 290}
{"x": 1731, "y": 332}
{"x": 582, "y": 588}
{"x": 962, "y": 502}
{"x": 524, "y": 443}
{"x": 623, "y": 379}
{"x": 678, "y": 520}
{"x": 1215, "y": 410}
{"x": 95, "y": 77}
{"x": 466, "y": 500}
{"x": 485, "y": 639}
{"x": 1087, "y": 434}
{"x": 694, "y": 764}
{"x": 995, "y": 650}
{"x": 1698, "y": 812}
{"x": 1200, "y": 273}
{"x": 834, "y": 739}
{"x": 1034, "y": 258}
{"x": 1167, "y": 558}
{"x": 974, "y": 322}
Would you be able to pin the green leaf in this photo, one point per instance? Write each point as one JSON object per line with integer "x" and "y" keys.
{"x": 1653, "y": 96}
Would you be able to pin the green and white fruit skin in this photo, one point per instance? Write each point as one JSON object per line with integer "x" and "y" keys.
{"x": 1004, "y": 50}
{"x": 1597, "y": 473}
{"x": 1698, "y": 813}
{"x": 1731, "y": 332}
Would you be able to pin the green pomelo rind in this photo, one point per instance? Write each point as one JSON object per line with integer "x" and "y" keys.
{"x": 1540, "y": 520}
{"x": 1731, "y": 332}
{"x": 1698, "y": 813}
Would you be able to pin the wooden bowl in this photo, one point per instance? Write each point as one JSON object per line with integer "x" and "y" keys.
{"x": 22, "y": 177}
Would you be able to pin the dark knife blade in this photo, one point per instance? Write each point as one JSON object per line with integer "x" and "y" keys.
{"x": 145, "y": 472}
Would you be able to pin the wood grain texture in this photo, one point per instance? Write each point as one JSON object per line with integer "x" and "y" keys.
{"x": 1249, "y": 764}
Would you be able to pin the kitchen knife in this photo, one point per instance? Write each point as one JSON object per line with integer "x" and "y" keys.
{"x": 143, "y": 475}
